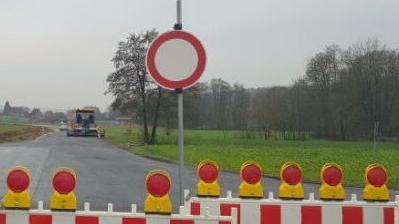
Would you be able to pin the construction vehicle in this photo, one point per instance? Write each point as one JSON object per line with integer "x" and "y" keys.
{"x": 83, "y": 124}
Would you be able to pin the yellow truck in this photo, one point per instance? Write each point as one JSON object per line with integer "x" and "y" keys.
{"x": 83, "y": 124}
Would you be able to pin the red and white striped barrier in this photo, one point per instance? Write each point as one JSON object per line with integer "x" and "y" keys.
{"x": 311, "y": 211}
{"x": 41, "y": 216}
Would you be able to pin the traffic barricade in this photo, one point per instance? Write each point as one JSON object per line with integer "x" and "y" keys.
{"x": 42, "y": 216}
{"x": 309, "y": 211}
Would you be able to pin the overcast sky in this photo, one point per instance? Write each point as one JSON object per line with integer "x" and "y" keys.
{"x": 55, "y": 54}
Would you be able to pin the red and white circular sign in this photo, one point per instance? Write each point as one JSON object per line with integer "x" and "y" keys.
{"x": 176, "y": 60}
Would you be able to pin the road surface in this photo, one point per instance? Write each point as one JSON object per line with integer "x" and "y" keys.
{"x": 106, "y": 173}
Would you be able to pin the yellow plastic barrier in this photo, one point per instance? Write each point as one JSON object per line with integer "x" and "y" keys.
{"x": 251, "y": 177}
{"x": 331, "y": 177}
{"x": 208, "y": 185}
{"x": 64, "y": 183}
{"x": 158, "y": 185}
{"x": 17, "y": 195}
{"x": 376, "y": 179}
{"x": 291, "y": 181}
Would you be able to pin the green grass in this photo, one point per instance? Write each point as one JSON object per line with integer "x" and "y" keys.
{"x": 231, "y": 149}
{"x": 9, "y": 132}
{"x": 6, "y": 128}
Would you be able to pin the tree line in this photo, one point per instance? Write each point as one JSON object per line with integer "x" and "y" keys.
{"x": 345, "y": 94}
{"x": 36, "y": 115}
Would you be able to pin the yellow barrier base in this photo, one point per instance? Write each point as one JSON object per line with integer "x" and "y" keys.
{"x": 371, "y": 193}
{"x": 328, "y": 192}
{"x": 208, "y": 189}
{"x": 17, "y": 200}
{"x": 291, "y": 191}
{"x": 158, "y": 205}
{"x": 251, "y": 190}
{"x": 63, "y": 201}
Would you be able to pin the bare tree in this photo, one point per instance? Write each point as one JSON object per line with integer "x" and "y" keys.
{"x": 221, "y": 102}
{"x": 240, "y": 103}
{"x": 129, "y": 83}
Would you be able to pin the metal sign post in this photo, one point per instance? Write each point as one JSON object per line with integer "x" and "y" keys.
{"x": 179, "y": 92}
{"x": 175, "y": 61}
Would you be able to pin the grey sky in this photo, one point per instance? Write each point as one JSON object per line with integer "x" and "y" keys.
{"x": 56, "y": 53}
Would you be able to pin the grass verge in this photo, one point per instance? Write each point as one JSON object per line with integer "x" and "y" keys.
{"x": 11, "y": 133}
{"x": 230, "y": 149}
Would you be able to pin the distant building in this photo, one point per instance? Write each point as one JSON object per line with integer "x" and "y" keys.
{"x": 124, "y": 120}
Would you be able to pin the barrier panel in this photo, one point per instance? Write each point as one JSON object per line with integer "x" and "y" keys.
{"x": 42, "y": 216}
{"x": 310, "y": 211}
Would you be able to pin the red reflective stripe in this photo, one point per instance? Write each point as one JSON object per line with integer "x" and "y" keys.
{"x": 40, "y": 219}
{"x": 181, "y": 221}
{"x": 133, "y": 221}
{"x": 270, "y": 214}
{"x": 2, "y": 218}
{"x": 352, "y": 215}
{"x": 195, "y": 208}
{"x": 389, "y": 215}
{"x": 86, "y": 220}
{"x": 311, "y": 214}
{"x": 225, "y": 210}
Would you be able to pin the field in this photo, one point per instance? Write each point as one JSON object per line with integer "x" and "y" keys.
{"x": 230, "y": 149}
{"x": 12, "y": 120}
{"x": 9, "y": 133}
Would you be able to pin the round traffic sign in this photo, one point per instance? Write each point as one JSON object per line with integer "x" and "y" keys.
{"x": 176, "y": 60}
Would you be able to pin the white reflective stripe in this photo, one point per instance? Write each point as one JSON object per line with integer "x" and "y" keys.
{"x": 331, "y": 214}
{"x": 213, "y": 207}
{"x": 176, "y": 59}
{"x": 64, "y": 218}
{"x": 290, "y": 214}
{"x": 206, "y": 222}
{"x": 158, "y": 220}
{"x": 17, "y": 217}
{"x": 250, "y": 213}
{"x": 373, "y": 215}
{"x": 110, "y": 220}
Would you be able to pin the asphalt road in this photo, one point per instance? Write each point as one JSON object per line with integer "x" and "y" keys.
{"x": 106, "y": 173}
